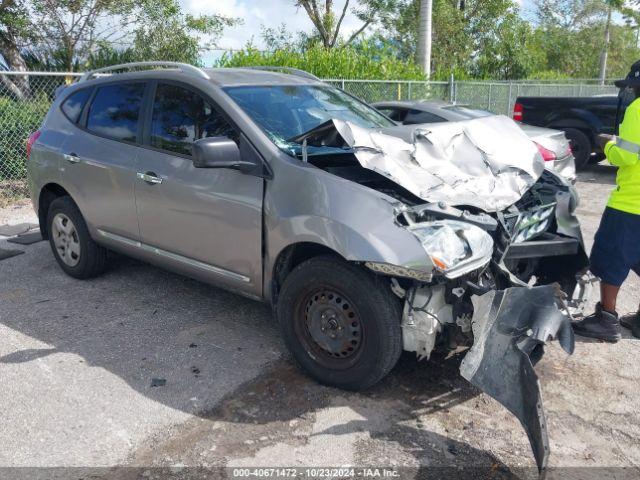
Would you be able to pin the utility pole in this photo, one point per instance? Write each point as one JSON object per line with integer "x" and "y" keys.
{"x": 423, "y": 50}
{"x": 605, "y": 47}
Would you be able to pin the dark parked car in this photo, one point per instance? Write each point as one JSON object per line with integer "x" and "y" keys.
{"x": 581, "y": 119}
{"x": 552, "y": 144}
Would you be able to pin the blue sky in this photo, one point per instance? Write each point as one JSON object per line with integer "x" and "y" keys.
{"x": 270, "y": 13}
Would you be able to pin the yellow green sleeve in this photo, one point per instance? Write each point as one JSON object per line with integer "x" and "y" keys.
{"x": 618, "y": 156}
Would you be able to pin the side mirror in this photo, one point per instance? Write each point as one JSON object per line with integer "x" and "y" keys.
{"x": 219, "y": 152}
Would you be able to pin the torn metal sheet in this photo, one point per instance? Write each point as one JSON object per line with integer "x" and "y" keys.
{"x": 510, "y": 328}
{"x": 488, "y": 163}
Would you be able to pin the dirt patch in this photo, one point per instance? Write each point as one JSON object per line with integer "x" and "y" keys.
{"x": 12, "y": 191}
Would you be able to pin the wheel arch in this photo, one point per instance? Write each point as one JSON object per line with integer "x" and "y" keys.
{"x": 290, "y": 257}
{"x": 576, "y": 124}
{"x": 47, "y": 195}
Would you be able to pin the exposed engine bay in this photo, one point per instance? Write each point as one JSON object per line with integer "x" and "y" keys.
{"x": 507, "y": 261}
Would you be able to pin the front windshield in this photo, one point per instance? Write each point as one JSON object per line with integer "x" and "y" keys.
{"x": 285, "y": 112}
{"x": 468, "y": 112}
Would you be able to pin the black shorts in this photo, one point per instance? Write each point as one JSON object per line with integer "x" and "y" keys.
{"x": 616, "y": 249}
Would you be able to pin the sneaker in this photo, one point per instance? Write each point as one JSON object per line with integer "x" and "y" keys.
{"x": 601, "y": 324}
{"x": 632, "y": 322}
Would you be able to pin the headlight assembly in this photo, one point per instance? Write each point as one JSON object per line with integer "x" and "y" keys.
{"x": 455, "y": 248}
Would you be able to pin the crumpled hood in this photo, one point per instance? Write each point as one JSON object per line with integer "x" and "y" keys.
{"x": 488, "y": 163}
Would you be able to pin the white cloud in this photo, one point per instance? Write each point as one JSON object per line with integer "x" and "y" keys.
{"x": 255, "y": 14}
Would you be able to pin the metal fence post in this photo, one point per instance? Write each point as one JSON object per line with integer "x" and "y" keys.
{"x": 489, "y": 99}
{"x": 509, "y": 99}
{"x": 452, "y": 97}
{"x": 409, "y": 89}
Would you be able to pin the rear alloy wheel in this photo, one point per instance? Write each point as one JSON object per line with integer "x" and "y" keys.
{"x": 340, "y": 322}
{"x": 65, "y": 239}
{"x": 75, "y": 251}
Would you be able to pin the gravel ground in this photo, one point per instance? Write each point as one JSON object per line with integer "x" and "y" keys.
{"x": 78, "y": 360}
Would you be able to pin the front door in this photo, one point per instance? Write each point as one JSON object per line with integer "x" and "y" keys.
{"x": 207, "y": 221}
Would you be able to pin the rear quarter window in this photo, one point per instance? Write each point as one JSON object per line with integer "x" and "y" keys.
{"x": 73, "y": 105}
{"x": 415, "y": 117}
{"x": 115, "y": 111}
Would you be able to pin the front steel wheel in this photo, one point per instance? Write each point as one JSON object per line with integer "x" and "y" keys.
{"x": 340, "y": 322}
{"x": 332, "y": 329}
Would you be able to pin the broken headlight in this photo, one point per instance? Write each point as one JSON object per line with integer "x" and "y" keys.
{"x": 455, "y": 248}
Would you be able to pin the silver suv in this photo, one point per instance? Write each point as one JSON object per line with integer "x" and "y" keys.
{"x": 366, "y": 237}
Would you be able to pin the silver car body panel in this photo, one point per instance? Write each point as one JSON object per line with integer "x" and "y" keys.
{"x": 553, "y": 140}
{"x": 463, "y": 163}
{"x": 232, "y": 229}
{"x": 232, "y": 222}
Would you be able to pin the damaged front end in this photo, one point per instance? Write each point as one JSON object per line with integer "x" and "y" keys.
{"x": 506, "y": 305}
{"x": 510, "y": 329}
{"x": 514, "y": 290}
{"x": 504, "y": 266}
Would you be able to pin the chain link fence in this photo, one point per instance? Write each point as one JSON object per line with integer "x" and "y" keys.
{"x": 25, "y": 99}
{"x": 496, "y": 97}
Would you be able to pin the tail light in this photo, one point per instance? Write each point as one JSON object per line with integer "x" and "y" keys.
{"x": 517, "y": 112}
{"x": 31, "y": 140}
{"x": 547, "y": 155}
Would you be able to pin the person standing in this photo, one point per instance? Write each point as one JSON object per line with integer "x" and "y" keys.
{"x": 616, "y": 248}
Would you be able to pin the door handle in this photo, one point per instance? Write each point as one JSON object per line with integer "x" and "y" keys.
{"x": 149, "y": 177}
{"x": 72, "y": 157}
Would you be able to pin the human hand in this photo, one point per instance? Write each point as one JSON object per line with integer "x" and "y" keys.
{"x": 603, "y": 139}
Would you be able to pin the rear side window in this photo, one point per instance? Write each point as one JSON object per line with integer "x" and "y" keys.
{"x": 115, "y": 111}
{"x": 181, "y": 116}
{"x": 417, "y": 116}
{"x": 73, "y": 105}
{"x": 395, "y": 114}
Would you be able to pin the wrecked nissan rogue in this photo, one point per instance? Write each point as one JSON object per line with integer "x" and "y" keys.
{"x": 366, "y": 237}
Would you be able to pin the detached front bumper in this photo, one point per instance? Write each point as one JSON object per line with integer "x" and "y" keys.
{"x": 510, "y": 329}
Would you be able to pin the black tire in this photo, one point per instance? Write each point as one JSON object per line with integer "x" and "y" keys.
{"x": 596, "y": 158}
{"x": 364, "y": 307}
{"x": 580, "y": 145}
{"x": 92, "y": 258}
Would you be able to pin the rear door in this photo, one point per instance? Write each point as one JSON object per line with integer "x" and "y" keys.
{"x": 205, "y": 221}
{"x": 99, "y": 158}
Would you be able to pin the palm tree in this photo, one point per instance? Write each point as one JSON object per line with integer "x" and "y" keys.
{"x": 423, "y": 50}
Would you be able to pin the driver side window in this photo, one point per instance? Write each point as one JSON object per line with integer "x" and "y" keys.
{"x": 181, "y": 116}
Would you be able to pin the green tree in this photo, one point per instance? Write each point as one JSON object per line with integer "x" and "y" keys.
{"x": 510, "y": 53}
{"x": 79, "y": 34}
{"x": 14, "y": 28}
{"x": 579, "y": 37}
{"x": 68, "y": 31}
{"x": 167, "y": 34}
{"x": 327, "y": 20}
{"x": 464, "y": 34}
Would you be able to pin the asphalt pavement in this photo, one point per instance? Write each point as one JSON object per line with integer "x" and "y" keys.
{"x": 142, "y": 367}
